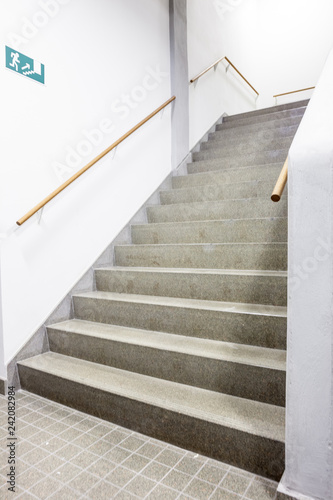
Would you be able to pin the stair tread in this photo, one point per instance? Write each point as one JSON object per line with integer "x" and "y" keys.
{"x": 274, "y": 359}
{"x": 302, "y": 104}
{"x": 260, "y": 419}
{"x": 229, "y": 169}
{"x": 186, "y": 270}
{"x": 210, "y": 221}
{"x": 232, "y": 307}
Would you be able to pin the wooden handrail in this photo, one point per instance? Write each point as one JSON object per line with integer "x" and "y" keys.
{"x": 215, "y": 64}
{"x": 95, "y": 160}
{"x": 281, "y": 182}
{"x": 294, "y": 92}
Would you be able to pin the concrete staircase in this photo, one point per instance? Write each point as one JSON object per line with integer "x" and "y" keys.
{"x": 184, "y": 339}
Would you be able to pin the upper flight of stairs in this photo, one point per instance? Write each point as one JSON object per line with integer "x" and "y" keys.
{"x": 184, "y": 338}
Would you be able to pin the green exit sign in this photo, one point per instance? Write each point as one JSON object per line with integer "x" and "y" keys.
{"x": 24, "y": 65}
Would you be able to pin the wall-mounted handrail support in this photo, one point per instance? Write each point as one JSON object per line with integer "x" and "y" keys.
{"x": 214, "y": 65}
{"x": 87, "y": 167}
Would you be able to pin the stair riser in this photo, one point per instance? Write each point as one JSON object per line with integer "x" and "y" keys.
{"x": 268, "y": 111}
{"x": 241, "y": 128}
{"x": 241, "y": 380}
{"x": 250, "y": 329}
{"x": 247, "y": 147}
{"x": 215, "y": 192}
{"x": 268, "y": 290}
{"x": 232, "y": 137}
{"x": 217, "y": 210}
{"x": 258, "y": 158}
{"x": 233, "y": 231}
{"x": 263, "y": 119}
{"x": 257, "y": 454}
{"x": 265, "y": 173}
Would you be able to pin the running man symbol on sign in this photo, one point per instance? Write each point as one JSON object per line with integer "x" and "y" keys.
{"x": 16, "y": 59}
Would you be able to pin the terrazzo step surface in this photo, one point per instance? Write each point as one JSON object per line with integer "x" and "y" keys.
{"x": 236, "y": 430}
{"x": 251, "y": 324}
{"x": 251, "y": 287}
{"x": 215, "y": 231}
{"x": 251, "y": 372}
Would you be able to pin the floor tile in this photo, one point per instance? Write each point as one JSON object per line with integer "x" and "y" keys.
{"x": 162, "y": 492}
{"x": 102, "y": 491}
{"x": 120, "y": 476}
{"x": 136, "y": 462}
{"x": 235, "y": 483}
{"x": 189, "y": 465}
{"x": 155, "y": 471}
{"x": 200, "y": 490}
{"x": 169, "y": 457}
{"x": 211, "y": 474}
{"x": 260, "y": 490}
{"x": 177, "y": 480}
{"x": 220, "y": 494}
{"x": 42, "y": 489}
{"x": 140, "y": 486}
{"x": 83, "y": 482}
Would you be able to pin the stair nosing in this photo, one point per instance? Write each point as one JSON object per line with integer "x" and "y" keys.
{"x": 175, "y": 343}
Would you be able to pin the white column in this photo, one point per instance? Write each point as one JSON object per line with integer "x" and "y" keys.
{"x": 309, "y": 457}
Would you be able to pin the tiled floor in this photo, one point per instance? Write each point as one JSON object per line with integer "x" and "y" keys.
{"x": 66, "y": 455}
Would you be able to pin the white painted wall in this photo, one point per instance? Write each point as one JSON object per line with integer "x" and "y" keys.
{"x": 107, "y": 67}
{"x": 309, "y": 454}
{"x": 278, "y": 46}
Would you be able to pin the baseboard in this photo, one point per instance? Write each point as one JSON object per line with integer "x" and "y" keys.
{"x": 3, "y": 386}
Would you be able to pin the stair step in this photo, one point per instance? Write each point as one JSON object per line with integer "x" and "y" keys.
{"x": 214, "y": 231}
{"x": 245, "y": 371}
{"x": 215, "y": 192}
{"x": 239, "y": 128}
{"x": 289, "y": 114}
{"x": 242, "y": 432}
{"x": 246, "y": 208}
{"x": 229, "y": 136}
{"x": 247, "y": 146}
{"x": 267, "y": 111}
{"x": 214, "y": 160}
{"x": 267, "y": 173}
{"x": 249, "y": 324}
{"x": 252, "y": 287}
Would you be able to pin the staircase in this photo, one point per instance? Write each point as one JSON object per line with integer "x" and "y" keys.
{"x": 184, "y": 339}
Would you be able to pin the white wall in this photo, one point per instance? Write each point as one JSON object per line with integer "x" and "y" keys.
{"x": 107, "y": 67}
{"x": 278, "y": 46}
{"x": 309, "y": 432}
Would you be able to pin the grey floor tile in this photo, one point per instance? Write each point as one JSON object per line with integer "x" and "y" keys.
{"x": 53, "y": 445}
{"x": 189, "y": 465}
{"x": 57, "y": 428}
{"x": 85, "y": 440}
{"x": 140, "y": 486}
{"x": 101, "y": 430}
{"x": 177, "y": 480}
{"x": 162, "y": 493}
{"x": 42, "y": 489}
{"x": 85, "y": 425}
{"x": 235, "y": 483}
{"x": 30, "y": 478}
{"x": 102, "y": 491}
{"x": 100, "y": 447}
{"x": 83, "y": 482}
{"x": 200, "y": 490}
{"x": 116, "y": 436}
{"x": 84, "y": 459}
{"x": 36, "y": 455}
{"x": 65, "y": 493}
{"x": 117, "y": 455}
{"x": 150, "y": 450}
{"x": 68, "y": 451}
{"x": 220, "y": 494}
{"x": 156, "y": 471}
{"x": 260, "y": 490}
{"x": 40, "y": 438}
{"x": 169, "y": 457}
{"x": 67, "y": 472}
{"x": 50, "y": 464}
{"x": 120, "y": 476}
{"x": 101, "y": 468}
{"x": 211, "y": 474}
{"x": 125, "y": 495}
{"x": 132, "y": 443}
{"x": 136, "y": 462}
